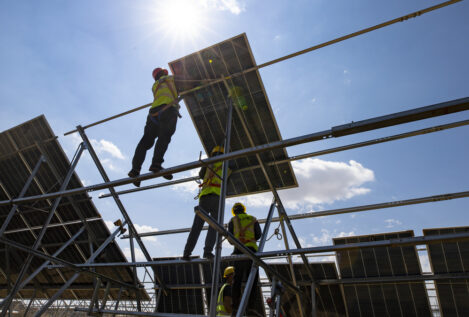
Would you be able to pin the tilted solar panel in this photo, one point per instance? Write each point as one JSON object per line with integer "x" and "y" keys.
{"x": 20, "y": 150}
{"x": 329, "y": 299}
{"x": 450, "y": 257}
{"x": 208, "y": 110}
{"x": 382, "y": 299}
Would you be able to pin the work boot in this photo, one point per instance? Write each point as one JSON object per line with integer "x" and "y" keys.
{"x": 186, "y": 257}
{"x": 134, "y": 173}
{"x": 158, "y": 168}
{"x": 208, "y": 255}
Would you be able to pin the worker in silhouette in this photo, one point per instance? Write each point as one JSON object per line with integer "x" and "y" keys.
{"x": 247, "y": 230}
{"x": 224, "y": 301}
{"x": 161, "y": 124}
{"x": 209, "y": 199}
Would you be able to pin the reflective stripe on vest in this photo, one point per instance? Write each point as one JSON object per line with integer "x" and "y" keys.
{"x": 221, "y": 310}
{"x": 243, "y": 228}
{"x": 164, "y": 91}
{"x": 212, "y": 183}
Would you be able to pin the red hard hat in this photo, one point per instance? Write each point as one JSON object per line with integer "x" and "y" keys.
{"x": 157, "y": 70}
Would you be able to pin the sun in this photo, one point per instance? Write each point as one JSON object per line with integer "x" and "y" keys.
{"x": 181, "y": 19}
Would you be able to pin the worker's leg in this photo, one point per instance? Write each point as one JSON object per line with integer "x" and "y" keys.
{"x": 146, "y": 142}
{"x": 210, "y": 204}
{"x": 241, "y": 271}
{"x": 253, "y": 295}
{"x": 193, "y": 235}
{"x": 167, "y": 126}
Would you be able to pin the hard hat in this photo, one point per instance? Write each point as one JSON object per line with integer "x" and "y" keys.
{"x": 157, "y": 70}
{"x": 217, "y": 149}
{"x": 238, "y": 207}
{"x": 228, "y": 271}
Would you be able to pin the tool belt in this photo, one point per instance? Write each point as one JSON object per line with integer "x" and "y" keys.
{"x": 173, "y": 103}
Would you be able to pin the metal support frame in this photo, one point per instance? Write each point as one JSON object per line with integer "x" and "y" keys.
{"x": 221, "y": 214}
{"x": 75, "y": 276}
{"x": 13, "y": 209}
{"x": 237, "y": 244}
{"x": 313, "y": 300}
{"x": 254, "y": 268}
{"x": 374, "y": 123}
{"x": 117, "y": 200}
{"x": 41, "y": 234}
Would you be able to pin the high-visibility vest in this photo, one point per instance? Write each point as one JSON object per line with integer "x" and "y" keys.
{"x": 221, "y": 310}
{"x": 164, "y": 91}
{"x": 243, "y": 229}
{"x": 212, "y": 183}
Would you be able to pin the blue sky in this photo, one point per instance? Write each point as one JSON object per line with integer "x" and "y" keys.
{"x": 80, "y": 61}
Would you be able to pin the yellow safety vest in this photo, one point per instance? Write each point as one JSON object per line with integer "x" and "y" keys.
{"x": 243, "y": 229}
{"x": 237, "y": 95}
{"x": 212, "y": 183}
{"x": 164, "y": 91}
{"x": 221, "y": 310}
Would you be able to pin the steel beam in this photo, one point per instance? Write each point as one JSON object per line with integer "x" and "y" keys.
{"x": 221, "y": 214}
{"x": 134, "y": 313}
{"x": 117, "y": 200}
{"x": 237, "y": 244}
{"x": 13, "y": 209}
{"x": 41, "y": 234}
{"x": 390, "y": 204}
{"x": 412, "y": 115}
{"x": 254, "y": 268}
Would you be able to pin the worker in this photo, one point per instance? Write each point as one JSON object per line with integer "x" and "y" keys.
{"x": 209, "y": 199}
{"x": 161, "y": 124}
{"x": 224, "y": 301}
{"x": 247, "y": 230}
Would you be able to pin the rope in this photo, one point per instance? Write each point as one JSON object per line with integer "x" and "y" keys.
{"x": 276, "y": 233}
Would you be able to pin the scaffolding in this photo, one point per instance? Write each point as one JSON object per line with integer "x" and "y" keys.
{"x": 298, "y": 287}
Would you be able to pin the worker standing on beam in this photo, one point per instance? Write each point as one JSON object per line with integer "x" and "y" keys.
{"x": 161, "y": 124}
{"x": 209, "y": 199}
{"x": 224, "y": 301}
{"x": 247, "y": 230}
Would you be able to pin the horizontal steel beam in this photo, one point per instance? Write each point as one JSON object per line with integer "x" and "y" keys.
{"x": 420, "y": 240}
{"x": 133, "y": 313}
{"x": 416, "y": 114}
{"x": 52, "y": 225}
{"x": 390, "y": 204}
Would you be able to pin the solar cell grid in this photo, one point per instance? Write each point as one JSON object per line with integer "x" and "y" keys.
{"x": 392, "y": 299}
{"x": 208, "y": 109}
{"x": 450, "y": 257}
{"x": 20, "y": 149}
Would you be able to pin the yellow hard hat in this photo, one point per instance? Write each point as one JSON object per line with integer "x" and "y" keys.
{"x": 236, "y": 207}
{"x": 218, "y": 149}
{"x": 228, "y": 271}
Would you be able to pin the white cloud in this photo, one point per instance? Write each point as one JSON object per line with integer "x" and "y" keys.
{"x": 313, "y": 100}
{"x": 139, "y": 256}
{"x": 320, "y": 182}
{"x": 424, "y": 262}
{"x": 110, "y": 225}
{"x": 104, "y": 146}
{"x": 326, "y": 236}
{"x": 145, "y": 228}
{"x": 390, "y": 223}
{"x": 234, "y": 6}
{"x": 188, "y": 187}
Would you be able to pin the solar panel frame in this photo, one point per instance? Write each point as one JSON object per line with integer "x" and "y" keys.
{"x": 208, "y": 107}
{"x": 330, "y": 300}
{"x": 20, "y": 149}
{"x": 450, "y": 257}
{"x": 382, "y": 299}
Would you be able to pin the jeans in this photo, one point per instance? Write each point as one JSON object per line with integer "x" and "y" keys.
{"x": 209, "y": 203}
{"x": 163, "y": 129}
{"x": 242, "y": 270}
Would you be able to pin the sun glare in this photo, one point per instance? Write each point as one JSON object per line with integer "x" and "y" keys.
{"x": 181, "y": 19}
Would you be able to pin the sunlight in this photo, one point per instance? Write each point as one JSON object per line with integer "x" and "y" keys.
{"x": 181, "y": 19}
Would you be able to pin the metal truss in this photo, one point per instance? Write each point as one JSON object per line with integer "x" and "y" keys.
{"x": 109, "y": 305}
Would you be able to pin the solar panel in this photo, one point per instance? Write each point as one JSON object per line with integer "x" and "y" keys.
{"x": 382, "y": 299}
{"x": 208, "y": 110}
{"x": 450, "y": 257}
{"x": 19, "y": 153}
{"x": 329, "y": 299}
{"x": 181, "y": 301}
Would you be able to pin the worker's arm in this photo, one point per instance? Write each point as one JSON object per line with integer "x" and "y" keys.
{"x": 202, "y": 172}
{"x": 257, "y": 231}
{"x": 227, "y": 300}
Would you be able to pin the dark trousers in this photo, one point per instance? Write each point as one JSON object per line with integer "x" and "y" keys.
{"x": 162, "y": 128}
{"x": 209, "y": 203}
{"x": 242, "y": 270}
